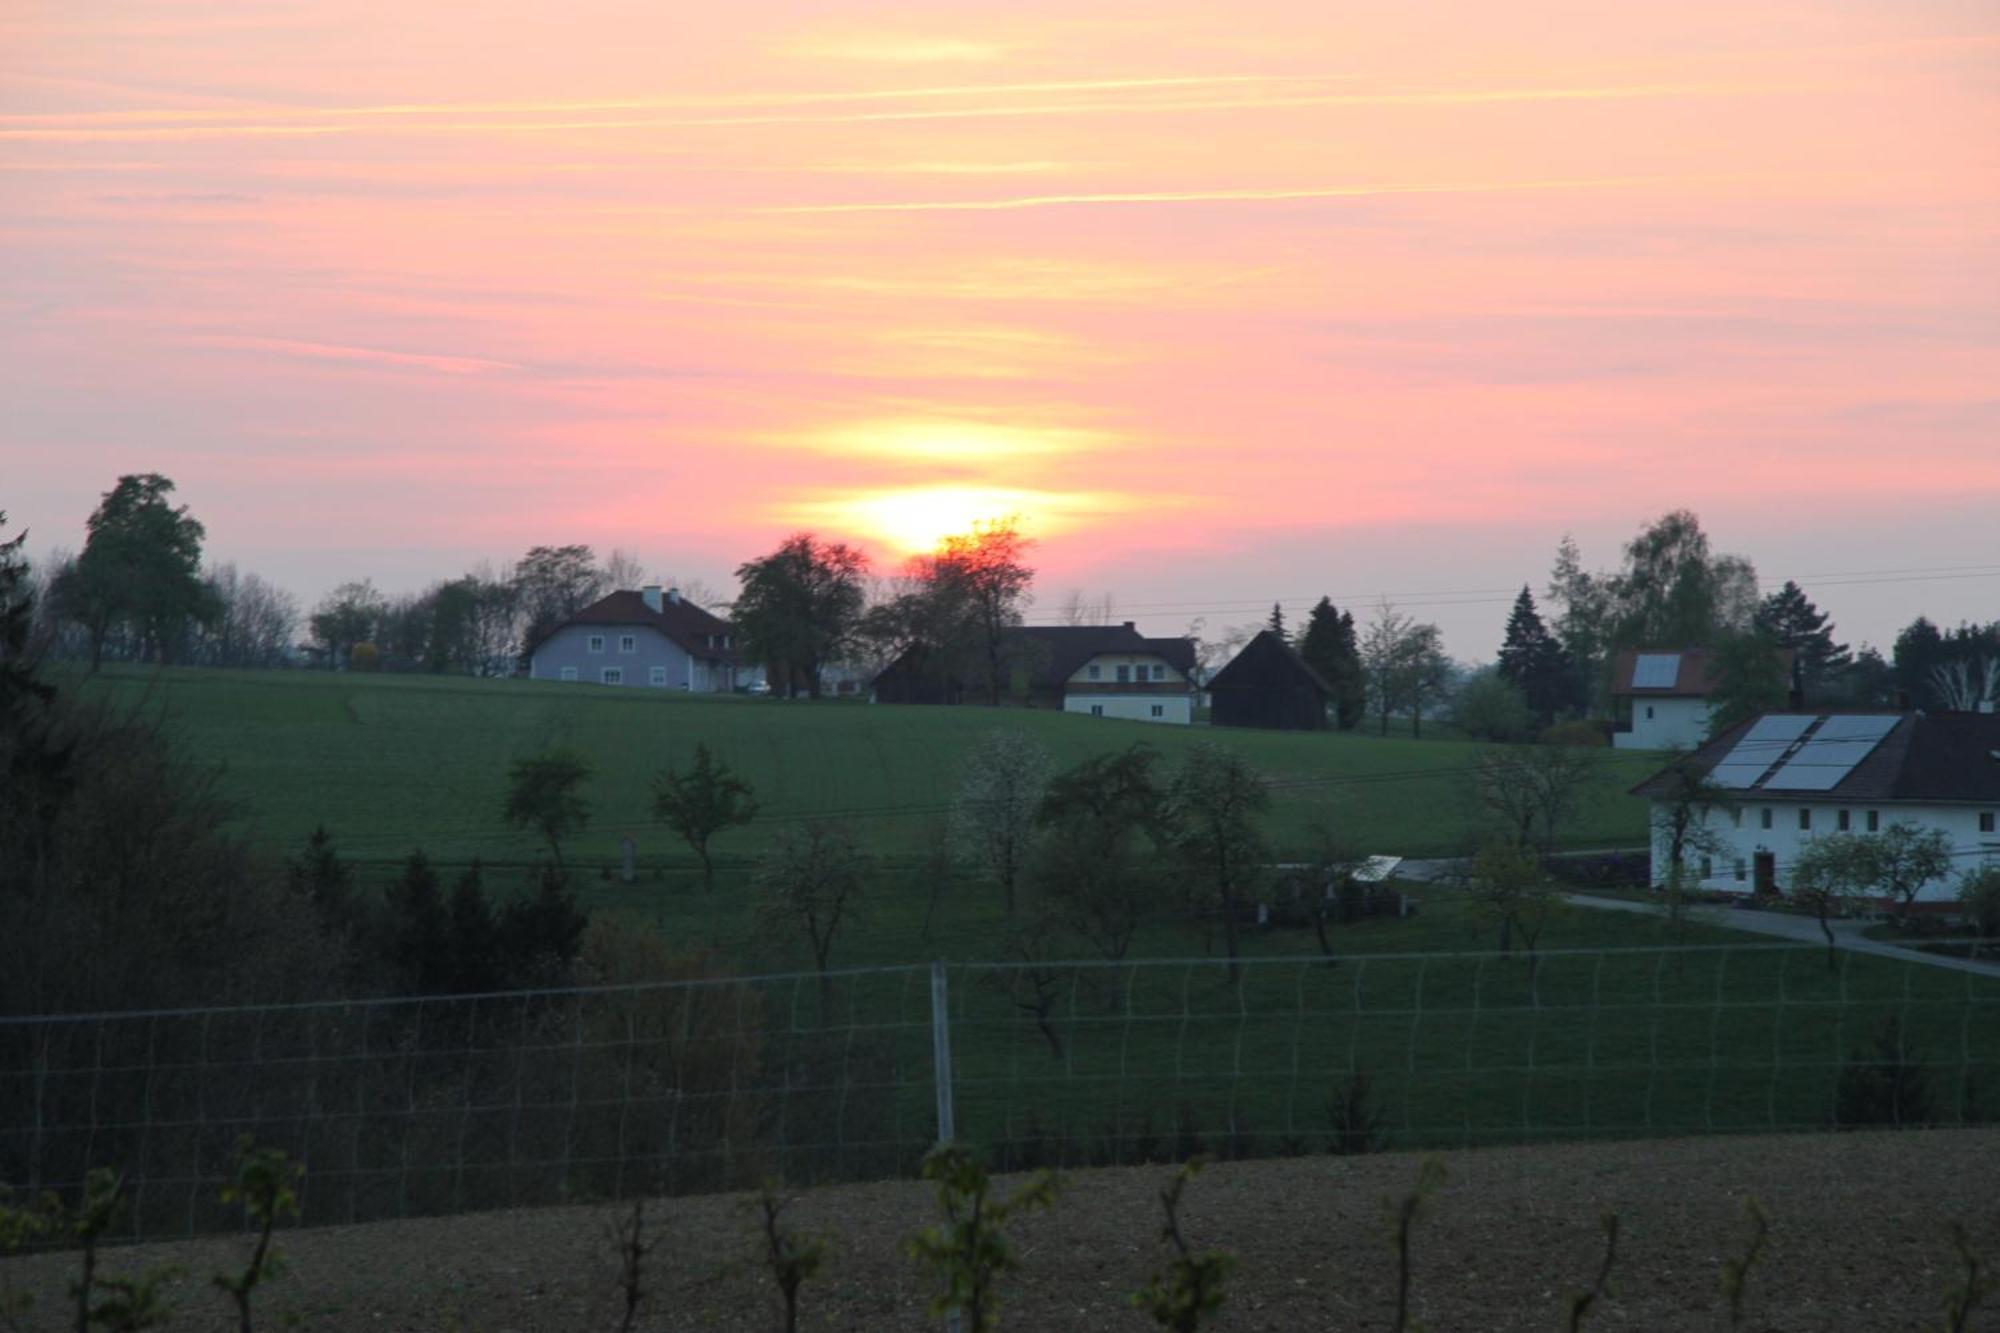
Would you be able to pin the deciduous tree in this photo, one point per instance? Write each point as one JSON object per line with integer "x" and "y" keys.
{"x": 140, "y": 570}
{"x": 706, "y": 800}
{"x": 988, "y": 568}
{"x": 993, "y": 818}
{"x": 544, "y": 793}
{"x": 349, "y": 615}
{"x": 799, "y": 608}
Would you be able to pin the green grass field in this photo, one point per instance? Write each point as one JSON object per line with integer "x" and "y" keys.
{"x": 389, "y": 763}
{"x": 1613, "y": 1033}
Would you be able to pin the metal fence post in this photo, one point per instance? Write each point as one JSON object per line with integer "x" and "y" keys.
{"x": 947, "y": 1128}
{"x": 941, "y": 1074}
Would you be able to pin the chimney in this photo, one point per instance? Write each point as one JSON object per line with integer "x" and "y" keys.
{"x": 674, "y": 596}
{"x": 651, "y": 593}
{"x": 1132, "y": 625}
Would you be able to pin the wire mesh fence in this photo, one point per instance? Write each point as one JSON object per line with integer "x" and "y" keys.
{"x": 406, "y": 1107}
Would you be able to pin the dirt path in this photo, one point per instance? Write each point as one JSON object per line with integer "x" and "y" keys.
{"x": 1857, "y": 1243}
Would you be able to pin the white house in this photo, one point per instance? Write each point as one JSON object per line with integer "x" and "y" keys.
{"x": 1662, "y": 698}
{"x": 1792, "y": 777}
{"x": 1095, "y": 670}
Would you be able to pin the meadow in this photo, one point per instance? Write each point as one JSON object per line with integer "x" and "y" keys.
{"x": 388, "y": 763}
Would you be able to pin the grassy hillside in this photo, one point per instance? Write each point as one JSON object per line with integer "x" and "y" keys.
{"x": 389, "y": 763}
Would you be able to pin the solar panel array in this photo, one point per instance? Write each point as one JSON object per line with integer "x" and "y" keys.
{"x": 1759, "y": 748}
{"x": 1656, "y": 671}
{"x": 1831, "y": 754}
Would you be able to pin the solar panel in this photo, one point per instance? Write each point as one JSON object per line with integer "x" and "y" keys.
{"x": 1832, "y": 753}
{"x": 1656, "y": 671}
{"x": 1759, "y": 748}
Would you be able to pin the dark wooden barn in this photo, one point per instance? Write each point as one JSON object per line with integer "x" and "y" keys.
{"x": 1268, "y": 685}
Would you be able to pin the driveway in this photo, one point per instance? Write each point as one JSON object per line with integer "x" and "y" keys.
{"x": 1785, "y": 926}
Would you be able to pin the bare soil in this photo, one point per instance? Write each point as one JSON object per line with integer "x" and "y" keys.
{"x": 1858, "y": 1242}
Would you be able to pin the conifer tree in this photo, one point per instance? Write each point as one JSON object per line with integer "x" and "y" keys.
{"x": 1276, "y": 624}
{"x": 1790, "y": 618}
{"x": 1328, "y": 647}
{"x": 1534, "y": 660}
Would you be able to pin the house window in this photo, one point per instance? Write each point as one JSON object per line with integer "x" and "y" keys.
{"x": 1742, "y": 869}
{"x": 1097, "y": 710}
{"x": 1707, "y": 867}
{"x": 1805, "y": 817}
{"x": 1840, "y": 821}
{"x": 1159, "y": 710}
{"x": 596, "y": 644}
{"x": 569, "y": 673}
{"x": 1985, "y": 821}
{"x": 1874, "y": 821}
{"x": 1767, "y": 816}
{"x": 1096, "y": 671}
{"x": 1159, "y": 672}
{"x": 613, "y": 675}
{"x": 1649, "y": 712}
{"x": 628, "y": 643}
{"x": 1124, "y": 673}
{"x": 657, "y": 676}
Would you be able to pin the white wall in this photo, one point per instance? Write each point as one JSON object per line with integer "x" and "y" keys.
{"x": 1174, "y": 708}
{"x": 1659, "y": 724}
{"x": 1743, "y": 835}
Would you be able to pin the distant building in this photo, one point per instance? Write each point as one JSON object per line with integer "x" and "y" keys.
{"x": 1796, "y": 776}
{"x": 649, "y": 638}
{"x": 1269, "y": 685}
{"x": 1098, "y": 670}
{"x": 1663, "y": 698}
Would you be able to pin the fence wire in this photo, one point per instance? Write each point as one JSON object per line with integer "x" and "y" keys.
{"x": 406, "y": 1107}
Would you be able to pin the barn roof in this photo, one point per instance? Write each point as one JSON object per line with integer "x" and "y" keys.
{"x": 1264, "y": 661}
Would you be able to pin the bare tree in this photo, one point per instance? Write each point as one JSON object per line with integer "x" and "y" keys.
{"x": 1966, "y": 685}
{"x": 993, "y": 820}
{"x": 1213, "y": 822}
{"x": 811, "y": 883}
{"x": 623, "y": 570}
{"x": 1427, "y": 672}
{"x": 1531, "y": 792}
{"x": 1384, "y": 658}
{"x": 1080, "y": 608}
{"x": 1033, "y": 979}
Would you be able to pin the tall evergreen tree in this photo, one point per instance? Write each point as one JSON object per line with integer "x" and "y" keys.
{"x": 1328, "y": 647}
{"x": 1789, "y": 617}
{"x": 1276, "y": 624}
{"x": 1535, "y": 661}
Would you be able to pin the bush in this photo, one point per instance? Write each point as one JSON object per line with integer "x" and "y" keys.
{"x": 1583, "y": 734}
{"x": 1492, "y": 708}
{"x": 1887, "y": 1084}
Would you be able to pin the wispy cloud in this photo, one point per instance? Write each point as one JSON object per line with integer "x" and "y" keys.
{"x": 321, "y": 351}
{"x": 363, "y": 122}
{"x": 899, "y": 50}
{"x": 1244, "y": 196}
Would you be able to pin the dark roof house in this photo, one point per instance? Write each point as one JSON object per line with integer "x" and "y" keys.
{"x": 1882, "y": 758}
{"x": 1269, "y": 685}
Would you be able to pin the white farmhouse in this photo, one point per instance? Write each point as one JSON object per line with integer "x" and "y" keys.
{"x": 1663, "y": 698}
{"x": 1793, "y": 777}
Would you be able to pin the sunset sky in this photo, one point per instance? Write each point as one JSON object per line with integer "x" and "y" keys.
{"x": 1230, "y": 302}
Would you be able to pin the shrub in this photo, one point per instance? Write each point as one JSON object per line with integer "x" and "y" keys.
{"x": 1886, "y": 1085}
{"x": 1582, "y": 734}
